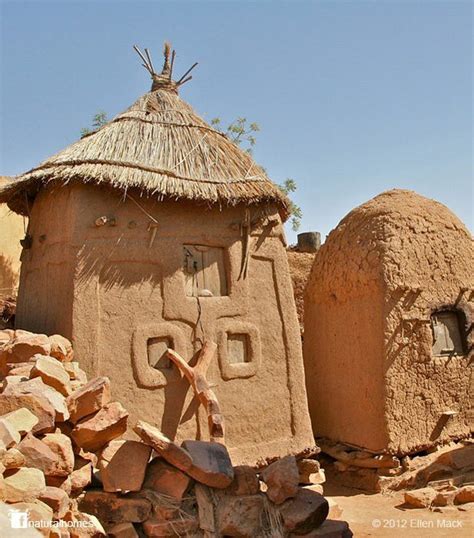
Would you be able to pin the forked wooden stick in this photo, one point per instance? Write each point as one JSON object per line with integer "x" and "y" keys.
{"x": 197, "y": 379}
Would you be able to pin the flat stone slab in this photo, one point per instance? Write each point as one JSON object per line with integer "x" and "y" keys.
{"x": 211, "y": 463}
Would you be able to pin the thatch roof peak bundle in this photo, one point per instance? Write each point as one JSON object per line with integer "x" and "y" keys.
{"x": 160, "y": 147}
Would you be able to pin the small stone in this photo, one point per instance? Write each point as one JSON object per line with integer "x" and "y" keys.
{"x": 176, "y": 527}
{"x": 122, "y": 465}
{"x": 168, "y": 450}
{"x": 307, "y": 468}
{"x": 75, "y": 372}
{"x": 245, "y": 481}
{"x": 9, "y": 435}
{"x": 81, "y": 477}
{"x": 57, "y": 499}
{"x": 112, "y": 508}
{"x": 281, "y": 478}
{"x": 25, "y": 346}
{"x": 95, "y": 431}
{"x": 39, "y": 406}
{"x": 61, "y": 446}
{"x": 122, "y": 530}
{"x": 52, "y": 373}
{"x": 166, "y": 479}
{"x": 329, "y": 529}
{"x": 13, "y": 459}
{"x": 211, "y": 463}
{"x": 89, "y": 398}
{"x": 240, "y": 516}
{"x": 23, "y": 485}
{"x": 61, "y": 348}
{"x": 22, "y": 369}
{"x": 38, "y": 388}
{"x": 305, "y": 512}
{"x": 420, "y": 498}
{"x": 464, "y": 495}
{"x": 22, "y": 420}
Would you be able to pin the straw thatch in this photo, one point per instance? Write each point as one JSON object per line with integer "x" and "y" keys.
{"x": 161, "y": 147}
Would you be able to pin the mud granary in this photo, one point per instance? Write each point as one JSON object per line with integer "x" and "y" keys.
{"x": 157, "y": 231}
{"x": 388, "y": 327}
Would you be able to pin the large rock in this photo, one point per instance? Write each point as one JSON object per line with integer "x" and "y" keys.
{"x": 38, "y": 455}
{"x": 305, "y": 512}
{"x": 95, "y": 431}
{"x": 89, "y": 398}
{"x": 211, "y": 463}
{"x": 281, "y": 478}
{"x": 22, "y": 486}
{"x": 111, "y": 508}
{"x": 122, "y": 465}
{"x": 9, "y": 435}
{"x": 37, "y": 512}
{"x": 13, "y": 459}
{"x": 168, "y": 450}
{"x": 38, "y": 388}
{"x": 245, "y": 481}
{"x": 420, "y": 498}
{"x": 39, "y": 406}
{"x": 61, "y": 348}
{"x": 61, "y": 445}
{"x": 25, "y": 346}
{"x": 81, "y": 477}
{"x": 459, "y": 458}
{"x": 57, "y": 499}
{"x": 240, "y": 516}
{"x": 52, "y": 373}
{"x": 22, "y": 420}
{"x": 165, "y": 479}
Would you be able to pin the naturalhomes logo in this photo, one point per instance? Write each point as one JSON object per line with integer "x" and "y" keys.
{"x": 21, "y": 520}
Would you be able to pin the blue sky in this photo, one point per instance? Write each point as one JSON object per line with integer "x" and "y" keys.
{"x": 353, "y": 98}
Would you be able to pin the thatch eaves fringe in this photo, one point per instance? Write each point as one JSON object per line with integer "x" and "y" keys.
{"x": 162, "y": 148}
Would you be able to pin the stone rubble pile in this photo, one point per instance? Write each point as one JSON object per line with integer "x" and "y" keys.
{"x": 64, "y": 461}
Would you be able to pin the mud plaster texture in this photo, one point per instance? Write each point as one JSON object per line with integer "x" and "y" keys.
{"x": 300, "y": 268}
{"x": 371, "y": 377}
{"x": 11, "y": 231}
{"x": 114, "y": 288}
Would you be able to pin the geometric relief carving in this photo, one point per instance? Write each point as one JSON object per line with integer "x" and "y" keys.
{"x": 151, "y": 367}
{"x": 239, "y": 349}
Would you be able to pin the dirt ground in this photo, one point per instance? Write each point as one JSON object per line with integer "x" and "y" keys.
{"x": 382, "y": 515}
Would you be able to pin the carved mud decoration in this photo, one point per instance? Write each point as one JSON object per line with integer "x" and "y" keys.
{"x": 388, "y": 327}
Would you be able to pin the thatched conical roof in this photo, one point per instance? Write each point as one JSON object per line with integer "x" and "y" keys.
{"x": 163, "y": 148}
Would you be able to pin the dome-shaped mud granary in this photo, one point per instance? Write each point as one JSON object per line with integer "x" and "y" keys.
{"x": 388, "y": 311}
{"x": 157, "y": 231}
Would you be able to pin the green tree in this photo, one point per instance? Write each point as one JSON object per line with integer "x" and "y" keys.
{"x": 242, "y": 133}
{"x": 98, "y": 121}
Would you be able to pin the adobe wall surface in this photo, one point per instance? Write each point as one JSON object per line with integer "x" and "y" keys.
{"x": 11, "y": 231}
{"x": 300, "y": 268}
{"x": 428, "y": 265}
{"x": 400, "y": 257}
{"x": 129, "y": 287}
{"x": 343, "y": 338}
